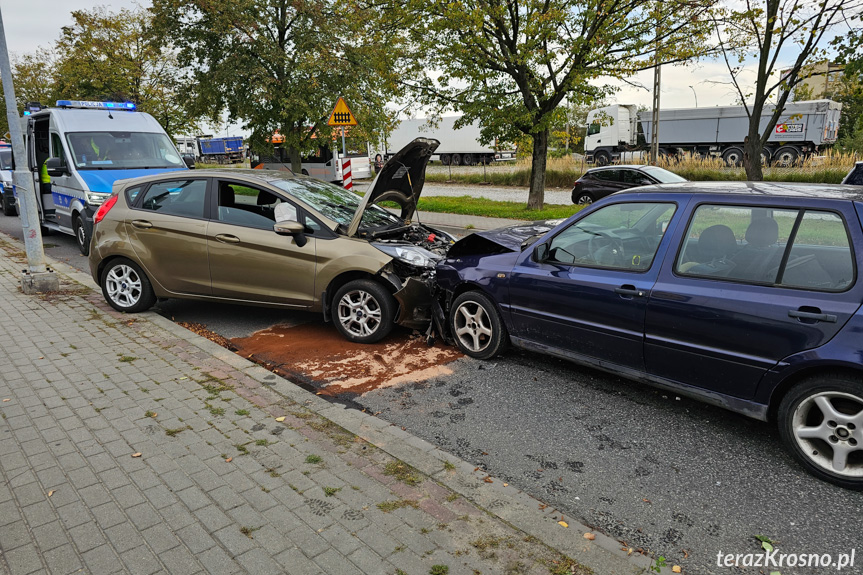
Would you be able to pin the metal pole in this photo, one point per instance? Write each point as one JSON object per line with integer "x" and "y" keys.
{"x": 654, "y": 128}
{"x": 23, "y": 178}
{"x": 694, "y": 94}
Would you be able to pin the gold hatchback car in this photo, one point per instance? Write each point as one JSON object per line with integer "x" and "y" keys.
{"x": 270, "y": 238}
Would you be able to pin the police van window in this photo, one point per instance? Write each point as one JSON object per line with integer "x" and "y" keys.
{"x": 177, "y": 198}
{"x": 6, "y": 162}
{"x": 57, "y": 148}
{"x": 122, "y": 151}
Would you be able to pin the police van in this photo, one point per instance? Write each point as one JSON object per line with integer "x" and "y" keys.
{"x": 7, "y": 187}
{"x": 83, "y": 147}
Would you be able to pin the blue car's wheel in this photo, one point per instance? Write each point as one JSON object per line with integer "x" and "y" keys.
{"x": 821, "y": 423}
{"x": 476, "y": 326}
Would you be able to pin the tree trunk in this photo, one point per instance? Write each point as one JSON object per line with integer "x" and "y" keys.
{"x": 536, "y": 196}
{"x": 752, "y": 148}
{"x": 296, "y": 160}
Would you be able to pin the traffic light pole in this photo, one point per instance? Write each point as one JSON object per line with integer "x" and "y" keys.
{"x": 37, "y": 278}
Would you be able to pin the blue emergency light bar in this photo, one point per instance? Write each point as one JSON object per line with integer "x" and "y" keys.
{"x": 89, "y": 105}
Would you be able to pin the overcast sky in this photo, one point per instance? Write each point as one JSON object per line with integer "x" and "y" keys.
{"x": 33, "y": 23}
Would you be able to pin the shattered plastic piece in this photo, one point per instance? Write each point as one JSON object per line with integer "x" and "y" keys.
{"x": 563, "y": 523}
{"x": 280, "y": 419}
{"x": 228, "y": 460}
{"x": 138, "y": 454}
{"x": 589, "y": 536}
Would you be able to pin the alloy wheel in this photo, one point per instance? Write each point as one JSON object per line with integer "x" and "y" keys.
{"x": 359, "y": 313}
{"x": 828, "y": 428}
{"x": 123, "y": 285}
{"x": 472, "y": 326}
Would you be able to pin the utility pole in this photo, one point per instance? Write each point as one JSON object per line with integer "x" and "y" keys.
{"x": 37, "y": 278}
{"x": 654, "y": 124}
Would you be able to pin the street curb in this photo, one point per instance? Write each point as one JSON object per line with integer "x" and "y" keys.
{"x": 602, "y": 554}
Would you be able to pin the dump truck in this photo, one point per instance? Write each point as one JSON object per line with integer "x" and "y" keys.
{"x": 228, "y": 150}
{"x": 620, "y": 133}
{"x": 458, "y": 147}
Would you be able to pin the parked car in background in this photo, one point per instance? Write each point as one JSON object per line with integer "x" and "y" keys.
{"x": 744, "y": 295}
{"x": 271, "y": 238}
{"x": 596, "y": 183}
{"x": 855, "y": 176}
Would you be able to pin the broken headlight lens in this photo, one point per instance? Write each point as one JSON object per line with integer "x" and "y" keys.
{"x": 413, "y": 255}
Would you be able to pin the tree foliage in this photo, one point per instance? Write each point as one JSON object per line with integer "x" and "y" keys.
{"x": 766, "y": 32}
{"x": 510, "y": 64}
{"x": 280, "y": 65}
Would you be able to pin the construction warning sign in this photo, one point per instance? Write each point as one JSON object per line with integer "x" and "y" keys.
{"x": 341, "y": 115}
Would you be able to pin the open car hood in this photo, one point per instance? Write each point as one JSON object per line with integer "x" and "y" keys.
{"x": 507, "y": 239}
{"x": 401, "y": 181}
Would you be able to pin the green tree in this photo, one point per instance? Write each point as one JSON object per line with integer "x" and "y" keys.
{"x": 510, "y": 64}
{"x": 34, "y": 75}
{"x": 761, "y": 31}
{"x": 280, "y": 65}
{"x": 115, "y": 55}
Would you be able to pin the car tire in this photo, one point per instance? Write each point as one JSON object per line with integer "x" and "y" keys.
{"x": 82, "y": 235}
{"x": 582, "y": 199}
{"x": 8, "y": 208}
{"x": 818, "y": 426}
{"x": 476, "y": 326}
{"x": 602, "y": 158}
{"x": 126, "y": 287}
{"x": 363, "y": 311}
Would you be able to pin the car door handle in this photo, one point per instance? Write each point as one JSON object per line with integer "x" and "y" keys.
{"x": 227, "y": 239}
{"x": 142, "y": 224}
{"x": 816, "y": 316}
{"x": 629, "y": 290}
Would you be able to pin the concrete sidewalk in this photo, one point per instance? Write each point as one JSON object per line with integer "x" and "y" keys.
{"x": 131, "y": 445}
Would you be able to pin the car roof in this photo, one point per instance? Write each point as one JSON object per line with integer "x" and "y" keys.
{"x": 261, "y": 176}
{"x": 773, "y": 189}
{"x": 619, "y": 166}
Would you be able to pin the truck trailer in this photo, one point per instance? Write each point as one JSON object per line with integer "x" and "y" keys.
{"x": 227, "y": 150}
{"x": 621, "y": 133}
{"x": 457, "y": 146}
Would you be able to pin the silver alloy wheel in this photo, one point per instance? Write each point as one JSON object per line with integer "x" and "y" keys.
{"x": 584, "y": 199}
{"x": 472, "y": 326}
{"x": 123, "y": 285}
{"x": 830, "y": 439}
{"x": 359, "y": 313}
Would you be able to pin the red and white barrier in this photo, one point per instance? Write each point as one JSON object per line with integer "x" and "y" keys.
{"x": 346, "y": 174}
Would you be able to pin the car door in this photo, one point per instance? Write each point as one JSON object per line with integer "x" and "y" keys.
{"x": 587, "y": 297}
{"x": 720, "y": 317}
{"x": 248, "y": 260}
{"x": 167, "y": 229}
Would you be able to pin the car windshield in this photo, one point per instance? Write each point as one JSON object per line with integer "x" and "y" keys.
{"x": 663, "y": 176}
{"x": 6, "y": 160}
{"x": 337, "y": 204}
{"x": 122, "y": 151}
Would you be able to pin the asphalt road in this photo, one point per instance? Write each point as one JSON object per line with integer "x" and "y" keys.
{"x": 672, "y": 476}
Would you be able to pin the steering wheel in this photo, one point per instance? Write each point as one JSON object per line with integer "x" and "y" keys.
{"x": 606, "y": 249}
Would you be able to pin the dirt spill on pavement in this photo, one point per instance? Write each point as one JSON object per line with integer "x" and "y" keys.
{"x": 320, "y": 353}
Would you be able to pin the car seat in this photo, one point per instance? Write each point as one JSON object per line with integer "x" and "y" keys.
{"x": 715, "y": 245}
{"x": 758, "y": 256}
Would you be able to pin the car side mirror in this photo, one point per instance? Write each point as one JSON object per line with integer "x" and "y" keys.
{"x": 292, "y": 228}
{"x": 56, "y": 167}
{"x": 190, "y": 162}
{"x": 540, "y": 253}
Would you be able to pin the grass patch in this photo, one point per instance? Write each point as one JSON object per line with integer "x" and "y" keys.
{"x": 449, "y": 466}
{"x": 439, "y": 570}
{"x": 149, "y": 413}
{"x": 314, "y": 459}
{"x": 242, "y": 448}
{"x": 388, "y": 506}
{"x": 127, "y": 359}
{"x": 471, "y": 206}
{"x": 247, "y": 531}
{"x": 330, "y": 491}
{"x": 403, "y": 472}
{"x": 262, "y": 442}
{"x": 217, "y": 410}
{"x": 177, "y": 431}
{"x": 242, "y": 412}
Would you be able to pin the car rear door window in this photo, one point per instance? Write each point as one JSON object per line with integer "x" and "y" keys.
{"x": 177, "y": 198}
{"x": 607, "y": 175}
{"x": 750, "y": 244}
{"x": 635, "y": 178}
{"x": 620, "y": 236}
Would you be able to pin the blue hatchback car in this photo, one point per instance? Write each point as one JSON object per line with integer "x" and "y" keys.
{"x": 744, "y": 295}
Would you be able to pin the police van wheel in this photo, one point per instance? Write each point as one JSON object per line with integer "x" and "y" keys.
{"x": 81, "y": 235}
{"x": 8, "y": 209}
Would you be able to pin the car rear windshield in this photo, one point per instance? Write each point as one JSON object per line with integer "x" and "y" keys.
{"x": 663, "y": 176}
{"x": 337, "y": 204}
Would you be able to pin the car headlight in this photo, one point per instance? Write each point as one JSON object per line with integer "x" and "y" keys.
{"x": 96, "y": 198}
{"x": 413, "y": 255}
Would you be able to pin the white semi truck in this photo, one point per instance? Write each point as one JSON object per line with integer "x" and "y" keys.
{"x": 457, "y": 146}
{"x": 622, "y": 133}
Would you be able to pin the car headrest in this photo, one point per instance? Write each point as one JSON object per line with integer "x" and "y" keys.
{"x": 265, "y": 198}
{"x": 762, "y": 232}
{"x": 716, "y": 242}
